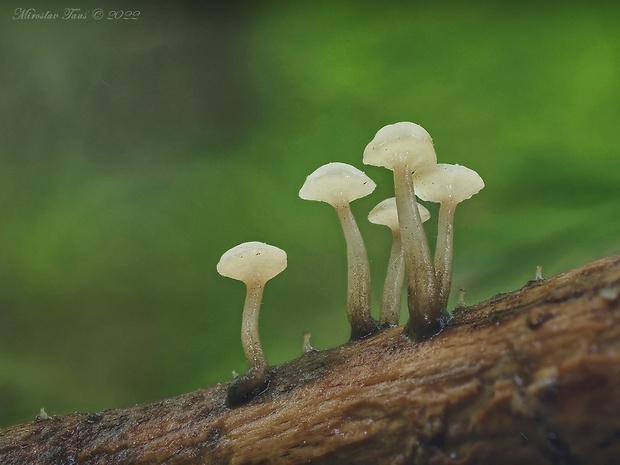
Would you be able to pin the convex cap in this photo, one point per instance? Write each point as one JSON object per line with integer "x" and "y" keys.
{"x": 336, "y": 183}
{"x": 385, "y": 213}
{"x": 444, "y": 182}
{"x": 252, "y": 262}
{"x": 401, "y": 143}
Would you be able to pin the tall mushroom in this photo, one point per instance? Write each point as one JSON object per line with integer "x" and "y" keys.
{"x": 253, "y": 263}
{"x": 385, "y": 214}
{"x": 449, "y": 185}
{"x": 403, "y": 148}
{"x": 338, "y": 184}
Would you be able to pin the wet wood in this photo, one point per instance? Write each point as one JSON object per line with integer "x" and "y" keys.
{"x": 531, "y": 376}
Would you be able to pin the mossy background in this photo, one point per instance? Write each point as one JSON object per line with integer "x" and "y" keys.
{"x": 135, "y": 152}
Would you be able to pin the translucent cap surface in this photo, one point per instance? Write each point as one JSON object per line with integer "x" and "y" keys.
{"x": 401, "y": 143}
{"x": 445, "y": 182}
{"x": 385, "y": 213}
{"x": 252, "y": 262}
{"x": 336, "y": 183}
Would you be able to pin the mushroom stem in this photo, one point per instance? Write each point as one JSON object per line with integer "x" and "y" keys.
{"x": 393, "y": 287}
{"x": 443, "y": 252}
{"x": 424, "y": 313}
{"x": 255, "y": 380}
{"x": 249, "y": 329}
{"x": 358, "y": 283}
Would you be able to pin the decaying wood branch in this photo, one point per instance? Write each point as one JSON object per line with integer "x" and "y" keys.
{"x": 529, "y": 377}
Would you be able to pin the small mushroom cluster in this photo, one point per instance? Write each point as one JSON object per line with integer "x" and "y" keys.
{"x": 406, "y": 149}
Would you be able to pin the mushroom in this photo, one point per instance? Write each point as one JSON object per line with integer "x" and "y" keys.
{"x": 338, "y": 184}
{"x": 253, "y": 263}
{"x": 403, "y": 148}
{"x": 307, "y": 347}
{"x": 385, "y": 214}
{"x": 449, "y": 185}
{"x": 539, "y": 276}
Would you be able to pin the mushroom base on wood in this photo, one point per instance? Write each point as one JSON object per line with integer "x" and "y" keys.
{"x": 530, "y": 376}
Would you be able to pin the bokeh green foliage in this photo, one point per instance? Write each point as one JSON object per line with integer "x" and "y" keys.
{"x": 134, "y": 153}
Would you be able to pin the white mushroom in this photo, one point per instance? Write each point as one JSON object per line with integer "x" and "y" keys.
{"x": 403, "y": 148}
{"x": 539, "y": 276}
{"x": 449, "y": 185}
{"x": 253, "y": 263}
{"x": 339, "y": 184}
{"x": 385, "y": 214}
{"x": 307, "y": 347}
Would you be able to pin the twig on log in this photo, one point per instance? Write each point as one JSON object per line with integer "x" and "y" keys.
{"x": 532, "y": 376}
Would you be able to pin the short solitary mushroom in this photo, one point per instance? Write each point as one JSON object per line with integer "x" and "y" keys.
{"x": 385, "y": 214}
{"x": 253, "y": 263}
{"x": 449, "y": 185}
{"x": 539, "y": 276}
{"x": 338, "y": 184}
{"x": 403, "y": 148}
{"x": 307, "y": 347}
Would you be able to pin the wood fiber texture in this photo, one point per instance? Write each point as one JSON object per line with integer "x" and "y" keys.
{"x": 527, "y": 377}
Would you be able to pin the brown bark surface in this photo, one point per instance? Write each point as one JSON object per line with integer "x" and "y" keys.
{"x": 527, "y": 377}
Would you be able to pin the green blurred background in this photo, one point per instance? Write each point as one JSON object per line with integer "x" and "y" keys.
{"x": 135, "y": 152}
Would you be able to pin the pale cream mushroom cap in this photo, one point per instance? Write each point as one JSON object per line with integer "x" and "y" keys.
{"x": 336, "y": 183}
{"x": 398, "y": 144}
{"x": 444, "y": 182}
{"x": 385, "y": 214}
{"x": 252, "y": 262}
